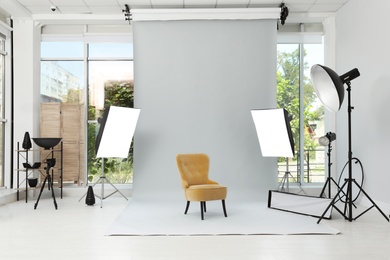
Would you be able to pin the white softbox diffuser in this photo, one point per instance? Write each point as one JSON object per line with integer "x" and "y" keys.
{"x": 274, "y": 132}
{"x": 116, "y": 132}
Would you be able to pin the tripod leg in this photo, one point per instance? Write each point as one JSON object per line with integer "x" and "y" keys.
{"x": 323, "y": 189}
{"x": 116, "y": 190}
{"x": 373, "y": 203}
{"x": 344, "y": 194}
{"x": 102, "y": 192}
{"x": 50, "y": 184}
{"x": 348, "y": 201}
{"x": 40, "y": 193}
{"x": 282, "y": 182}
{"x": 331, "y": 203}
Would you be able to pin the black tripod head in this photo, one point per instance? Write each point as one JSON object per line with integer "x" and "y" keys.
{"x": 51, "y": 162}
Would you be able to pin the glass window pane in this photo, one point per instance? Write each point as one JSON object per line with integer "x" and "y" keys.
{"x": 110, "y": 83}
{"x": 62, "y": 50}
{"x": 287, "y": 97}
{"x": 2, "y": 74}
{"x": 289, "y": 92}
{"x": 314, "y": 119}
{"x": 62, "y": 81}
{"x": 110, "y": 50}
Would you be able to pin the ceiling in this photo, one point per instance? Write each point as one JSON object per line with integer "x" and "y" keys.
{"x": 300, "y": 10}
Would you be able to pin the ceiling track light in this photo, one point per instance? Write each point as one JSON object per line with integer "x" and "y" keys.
{"x": 127, "y": 13}
{"x": 283, "y": 13}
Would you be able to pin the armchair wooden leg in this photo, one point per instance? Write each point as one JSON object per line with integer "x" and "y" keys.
{"x": 202, "y": 205}
{"x": 187, "y": 206}
{"x": 224, "y": 208}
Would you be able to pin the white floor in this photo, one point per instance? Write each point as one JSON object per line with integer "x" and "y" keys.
{"x": 77, "y": 231}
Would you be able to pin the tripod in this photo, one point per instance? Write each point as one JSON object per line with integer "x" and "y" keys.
{"x": 329, "y": 179}
{"x": 349, "y": 182}
{"x": 50, "y": 163}
{"x": 285, "y": 180}
{"x": 101, "y": 180}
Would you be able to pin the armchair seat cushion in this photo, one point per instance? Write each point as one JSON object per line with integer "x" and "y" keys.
{"x": 206, "y": 192}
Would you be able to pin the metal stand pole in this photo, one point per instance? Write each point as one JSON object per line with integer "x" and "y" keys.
{"x": 329, "y": 179}
{"x": 101, "y": 180}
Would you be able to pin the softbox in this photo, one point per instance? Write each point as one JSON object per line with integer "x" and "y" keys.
{"x": 274, "y": 132}
{"x": 116, "y": 132}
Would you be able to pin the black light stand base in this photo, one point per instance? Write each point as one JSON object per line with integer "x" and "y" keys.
{"x": 90, "y": 199}
{"x": 328, "y": 183}
{"x": 349, "y": 202}
{"x": 101, "y": 180}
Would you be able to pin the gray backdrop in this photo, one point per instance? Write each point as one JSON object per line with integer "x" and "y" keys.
{"x": 195, "y": 83}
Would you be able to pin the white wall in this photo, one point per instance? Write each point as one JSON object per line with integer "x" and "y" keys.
{"x": 362, "y": 41}
{"x": 26, "y": 79}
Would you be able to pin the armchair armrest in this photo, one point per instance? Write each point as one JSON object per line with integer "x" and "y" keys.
{"x": 184, "y": 184}
{"x": 211, "y": 182}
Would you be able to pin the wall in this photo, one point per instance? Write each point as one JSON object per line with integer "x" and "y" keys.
{"x": 362, "y": 42}
{"x": 26, "y": 78}
{"x": 195, "y": 83}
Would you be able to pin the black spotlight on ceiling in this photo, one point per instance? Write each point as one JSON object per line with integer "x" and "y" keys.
{"x": 283, "y": 13}
{"x": 329, "y": 87}
{"x": 127, "y": 13}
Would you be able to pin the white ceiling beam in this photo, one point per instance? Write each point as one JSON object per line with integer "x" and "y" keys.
{"x": 15, "y": 9}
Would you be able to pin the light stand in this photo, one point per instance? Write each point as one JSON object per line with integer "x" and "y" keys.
{"x": 285, "y": 180}
{"x": 101, "y": 180}
{"x": 275, "y": 136}
{"x": 324, "y": 78}
{"x": 117, "y": 127}
{"x": 49, "y": 164}
{"x": 327, "y": 141}
{"x": 48, "y": 143}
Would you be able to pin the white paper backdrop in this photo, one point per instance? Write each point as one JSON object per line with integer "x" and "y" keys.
{"x": 196, "y": 83}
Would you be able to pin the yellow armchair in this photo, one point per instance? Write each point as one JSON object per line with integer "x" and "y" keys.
{"x": 194, "y": 169}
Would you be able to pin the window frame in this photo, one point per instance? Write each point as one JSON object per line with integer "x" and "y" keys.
{"x": 301, "y": 38}
{"x": 88, "y": 39}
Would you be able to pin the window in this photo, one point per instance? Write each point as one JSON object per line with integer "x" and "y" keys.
{"x": 2, "y": 116}
{"x": 107, "y": 71}
{"x": 295, "y": 93}
{"x": 110, "y": 82}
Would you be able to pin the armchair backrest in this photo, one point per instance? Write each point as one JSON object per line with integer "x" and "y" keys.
{"x": 193, "y": 168}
